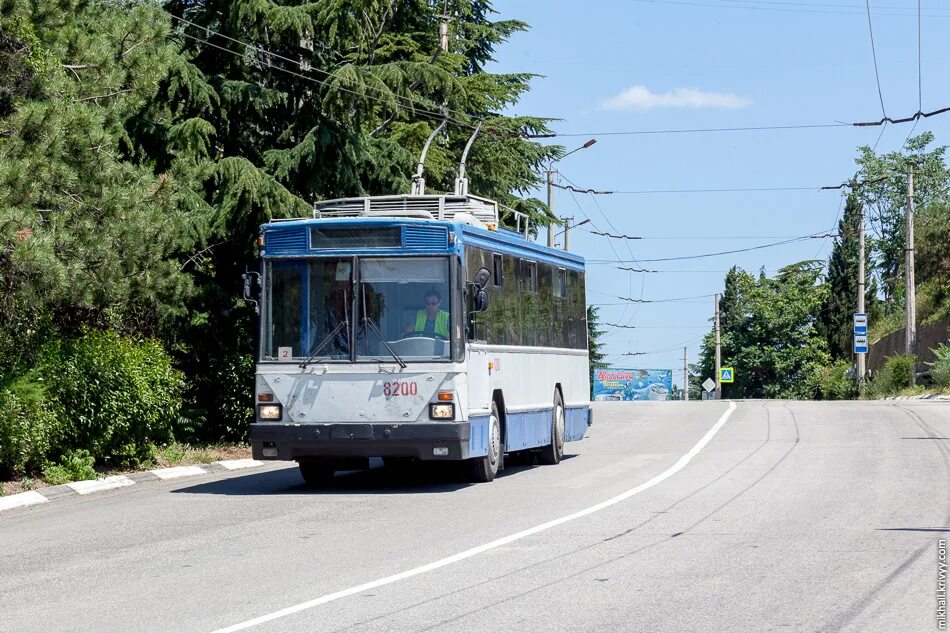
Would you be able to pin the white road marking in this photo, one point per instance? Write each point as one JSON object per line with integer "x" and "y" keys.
{"x": 178, "y": 471}
{"x": 238, "y": 464}
{"x": 481, "y": 549}
{"x": 98, "y": 485}
{"x": 31, "y": 497}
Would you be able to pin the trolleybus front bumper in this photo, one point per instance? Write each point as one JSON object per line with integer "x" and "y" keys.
{"x": 415, "y": 439}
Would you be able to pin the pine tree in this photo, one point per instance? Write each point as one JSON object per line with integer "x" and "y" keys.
{"x": 836, "y": 316}
{"x": 89, "y": 236}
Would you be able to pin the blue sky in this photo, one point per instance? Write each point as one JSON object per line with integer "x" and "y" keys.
{"x": 619, "y": 65}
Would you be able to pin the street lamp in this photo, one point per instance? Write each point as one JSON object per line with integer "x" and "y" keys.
{"x": 550, "y": 173}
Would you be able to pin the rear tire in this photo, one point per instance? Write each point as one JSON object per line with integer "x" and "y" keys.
{"x": 316, "y": 474}
{"x": 553, "y": 452}
{"x": 484, "y": 469}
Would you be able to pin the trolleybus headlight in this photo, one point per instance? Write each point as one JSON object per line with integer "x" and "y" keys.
{"x": 440, "y": 411}
{"x": 268, "y": 412}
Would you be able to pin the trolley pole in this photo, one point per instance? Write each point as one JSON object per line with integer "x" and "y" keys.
{"x": 718, "y": 354}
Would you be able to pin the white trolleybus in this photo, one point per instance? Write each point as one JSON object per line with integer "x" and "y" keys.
{"x": 415, "y": 327}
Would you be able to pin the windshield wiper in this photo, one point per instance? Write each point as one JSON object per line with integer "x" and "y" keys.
{"x": 342, "y": 325}
{"x": 368, "y": 322}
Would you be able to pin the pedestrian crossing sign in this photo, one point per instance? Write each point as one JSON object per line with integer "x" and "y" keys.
{"x": 727, "y": 374}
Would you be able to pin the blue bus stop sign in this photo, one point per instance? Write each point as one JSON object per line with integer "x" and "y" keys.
{"x": 860, "y": 344}
{"x": 860, "y": 323}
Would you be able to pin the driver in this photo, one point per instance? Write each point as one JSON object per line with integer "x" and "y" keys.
{"x": 431, "y": 321}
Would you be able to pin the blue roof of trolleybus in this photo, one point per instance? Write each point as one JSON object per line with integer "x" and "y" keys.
{"x": 290, "y": 239}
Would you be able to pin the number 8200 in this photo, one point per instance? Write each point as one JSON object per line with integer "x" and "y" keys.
{"x": 400, "y": 388}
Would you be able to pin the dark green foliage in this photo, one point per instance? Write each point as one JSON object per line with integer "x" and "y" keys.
{"x": 594, "y": 346}
{"x": 940, "y": 368}
{"x": 833, "y": 382}
{"x": 75, "y": 465}
{"x": 769, "y": 333}
{"x": 896, "y": 374}
{"x": 884, "y": 198}
{"x": 113, "y": 396}
{"x": 27, "y": 428}
{"x": 837, "y": 314}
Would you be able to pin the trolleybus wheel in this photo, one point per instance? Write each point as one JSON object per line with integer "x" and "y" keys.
{"x": 484, "y": 469}
{"x": 553, "y": 452}
{"x": 316, "y": 473}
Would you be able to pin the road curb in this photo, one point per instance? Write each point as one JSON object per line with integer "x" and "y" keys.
{"x": 90, "y": 486}
{"x": 923, "y": 396}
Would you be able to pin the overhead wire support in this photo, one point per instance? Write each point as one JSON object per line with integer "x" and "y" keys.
{"x": 812, "y": 236}
{"x": 579, "y": 190}
{"x": 837, "y": 124}
{"x": 877, "y": 77}
{"x": 616, "y": 236}
{"x": 670, "y": 300}
{"x": 854, "y": 186}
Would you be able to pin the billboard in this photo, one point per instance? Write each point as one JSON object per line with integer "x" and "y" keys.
{"x": 632, "y": 384}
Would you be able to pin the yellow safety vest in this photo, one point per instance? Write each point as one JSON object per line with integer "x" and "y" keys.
{"x": 441, "y": 322}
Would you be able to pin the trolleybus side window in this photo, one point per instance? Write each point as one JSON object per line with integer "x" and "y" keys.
{"x": 553, "y": 314}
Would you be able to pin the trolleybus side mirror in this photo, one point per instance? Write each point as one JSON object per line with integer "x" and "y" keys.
{"x": 252, "y": 281}
{"x": 480, "y": 301}
{"x": 481, "y": 278}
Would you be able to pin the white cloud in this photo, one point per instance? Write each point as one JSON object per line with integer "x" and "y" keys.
{"x": 642, "y": 98}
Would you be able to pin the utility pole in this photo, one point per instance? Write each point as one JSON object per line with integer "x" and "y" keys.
{"x": 860, "y": 361}
{"x": 685, "y": 376}
{"x": 718, "y": 354}
{"x": 551, "y": 206}
{"x": 911, "y": 295}
{"x": 567, "y": 232}
{"x": 444, "y": 33}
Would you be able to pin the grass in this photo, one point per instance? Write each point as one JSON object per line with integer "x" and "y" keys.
{"x": 176, "y": 454}
{"x": 172, "y": 454}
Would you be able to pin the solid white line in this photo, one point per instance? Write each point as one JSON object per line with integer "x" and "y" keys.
{"x": 475, "y": 551}
{"x": 97, "y": 485}
{"x": 22, "y": 499}
{"x": 178, "y": 471}
{"x": 238, "y": 464}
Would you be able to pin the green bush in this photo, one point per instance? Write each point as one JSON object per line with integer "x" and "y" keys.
{"x": 73, "y": 466}
{"x": 115, "y": 396}
{"x": 896, "y": 374}
{"x": 833, "y": 382}
{"x": 27, "y": 428}
{"x": 940, "y": 368}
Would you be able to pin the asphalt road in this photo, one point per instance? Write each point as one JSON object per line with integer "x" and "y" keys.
{"x": 794, "y": 516}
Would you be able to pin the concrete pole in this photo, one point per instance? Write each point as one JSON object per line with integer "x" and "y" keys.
{"x": 685, "y": 376}
{"x": 567, "y": 232}
{"x": 911, "y": 294}
{"x": 718, "y": 354}
{"x": 861, "y": 359}
{"x": 551, "y": 207}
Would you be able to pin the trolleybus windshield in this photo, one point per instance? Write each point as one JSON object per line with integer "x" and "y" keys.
{"x": 400, "y": 308}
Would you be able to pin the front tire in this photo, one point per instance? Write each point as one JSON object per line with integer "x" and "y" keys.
{"x": 484, "y": 469}
{"x": 553, "y": 452}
